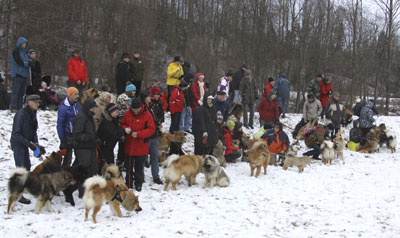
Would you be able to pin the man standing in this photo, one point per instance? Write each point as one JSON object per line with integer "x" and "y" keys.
{"x": 122, "y": 74}
{"x": 248, "y": 96}
{"x": 174, "y": 73}
{"x": 282, "y": 88}
{"x": 313, "y": 86}
{"x": 77, "y": 72}
{"x": 24, "y": 136}
{"x": 234, "y": 88}
{"x": 136, "y": 69}
{"x": 66, "y": 114}
{"x": 20, "y": 64}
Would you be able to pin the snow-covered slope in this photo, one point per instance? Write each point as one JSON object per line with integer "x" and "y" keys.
{"x": 359, "y": 198}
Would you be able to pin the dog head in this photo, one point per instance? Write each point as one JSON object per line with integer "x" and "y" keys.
{"x": 327, "y": 145}
{"x": 294, "y": 147}
{"x": 68, "y": 178}
{"x": 92, "y": 93}
{"x": 178, "y": 137}
{"x": 55, "y": 157}
{"x": 382, "y": 127}
{"x": 210, "y": 162}
{"x": 111, "y": 172}
{"x": 130, "y": 202}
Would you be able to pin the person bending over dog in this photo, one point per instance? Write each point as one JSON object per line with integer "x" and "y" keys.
{"x": 231, "y": 153}
{"x": 311, "y": 110}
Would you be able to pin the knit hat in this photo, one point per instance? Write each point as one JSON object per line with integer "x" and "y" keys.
{"x": 135, "y": 103}
{"x": 229, "y": 73}
{"x": 230, "y": 124}
{"x": 143, "y": 94}
{"x": 125, "y": 55}
{"x": 310, "y": 96}
{"x": 177, "y": 58}
{"x": 247, "y": 72}
{"x": 72, "y": 90}
{"x": 76, "y": 51}
{"x": 33, "y": 97}
{"x": 270, "y": 79}
{"x": 155, "y": 91}
{"x": 122, "y": 98}
{"x": 130, "y": 88}
{"x": 111, "y": 107}
{"x": 31, "y": 50}
{"x": 219, "y": 116}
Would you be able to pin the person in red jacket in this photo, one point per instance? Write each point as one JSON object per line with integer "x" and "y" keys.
{"x": 231, "y": 153}
{"x": 268, "y": 87}
{"x": 325, "y": 92}
{"x": 198, "y": 90}
{"x": 176, "y": 102}
{"x": 269, "y": 110}
{"x": 141, "y": 122}
{"x": 77, "y": 72}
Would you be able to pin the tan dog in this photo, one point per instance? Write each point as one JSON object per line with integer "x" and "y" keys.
{"x": 165, "y": 140}
{"x": 175, "y": 166}
{"x": 54, "y": 157}
{"x": 291, "y": 158}
{"x": 339, "y": 143}
{"x": 98, "y": 190}
{"x": 89, "y": 93}
{"x": 218, "y": 153}
{"x": 328, "y": 152}
{"x": 372, "y": 143}
{"x": 258, "y": 156}
{"x": 300, "y": 134}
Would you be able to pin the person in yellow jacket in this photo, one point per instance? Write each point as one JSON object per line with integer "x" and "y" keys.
{"x": 175, "y": 71}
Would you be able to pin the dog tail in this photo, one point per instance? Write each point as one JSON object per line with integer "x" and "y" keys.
{"x": 167, "y": 163}
{"x": 90, "y": 183}
{"x": 17, "y": 180}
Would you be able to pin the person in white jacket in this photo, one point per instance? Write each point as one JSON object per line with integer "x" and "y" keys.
{"x": 224, "y": 82}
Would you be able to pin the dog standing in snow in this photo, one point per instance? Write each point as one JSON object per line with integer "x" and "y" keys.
{"x": 390, "y": 139}
{"x": 328, "y": 152}
{"x": 339, "y": 143}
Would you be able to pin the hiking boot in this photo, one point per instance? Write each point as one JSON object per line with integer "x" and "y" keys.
{"x": 251, "y": 127}
{"x": 24, "y": 200}
{"x": 283, "y": 116}
{"x": 158, "y": 181}
{"x": 138, "y": 188}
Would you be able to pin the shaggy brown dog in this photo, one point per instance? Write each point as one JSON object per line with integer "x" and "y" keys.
{"x": 218, "y": 153}
{"x": 258, "y": 156}
{"x": 291, "y": 158}
{"x": 98, "y": 190}
{"x": 90, "y": 93}
{"x": 168, "y": 144}
{"x": 175, "y": 166}
{"x": 372, "y": 143}
{"x": 300, "y": 134}
{"x": 340, "y": 143}
{"x": 54, "y": 157}
{"x": 236, "y": 111}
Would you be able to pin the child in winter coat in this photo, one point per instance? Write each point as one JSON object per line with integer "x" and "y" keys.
{"x": 176, "y": 102}
{"x": 355, "y": 136}
{"x": 278, "y": 142}
{"x": 231, "y": 153}
{"x": 48, "y": 95}
{"x": 335, "y": 111}
{"x": 198, "y": 90}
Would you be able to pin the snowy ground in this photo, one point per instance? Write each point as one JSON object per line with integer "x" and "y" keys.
{"x": 358, "y": 199}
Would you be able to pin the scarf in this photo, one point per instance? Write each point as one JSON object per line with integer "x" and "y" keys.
{"x": 201, "y": 86}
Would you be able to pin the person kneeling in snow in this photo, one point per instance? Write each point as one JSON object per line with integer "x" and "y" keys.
{"x": 232, "y": 153}
{"x": 278, "y": 142}
{"x": 313, "y": 139}
{"x": 355, "y": 136}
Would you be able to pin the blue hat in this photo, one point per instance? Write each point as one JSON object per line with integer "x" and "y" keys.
{"x": 130, "y": 88}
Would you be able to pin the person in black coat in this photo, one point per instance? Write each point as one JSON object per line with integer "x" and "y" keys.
{"x": 24, "y": 135}
{"x": 4, "y": 102}
{"x": 205, "y": 127}
{"x": 109, "y": 132}
{"x": 355, "y": 132}
{"x": 122, "y": 74}
{"x": 85, "y": 139}
{"x": 36, "y": 71}
{"x": 234, "y": 88}
{"x": 221, "y": 105}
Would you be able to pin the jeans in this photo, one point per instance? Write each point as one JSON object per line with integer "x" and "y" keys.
{"x": 153, "y": 151}
{"x": 175, "y": 117}
{"x": 246, "y": 108}
{"x": 236, "y": 96}
{"x": 18, "y": 93}
{"x": 21, "y": 157}
{"x": 186, "y": 119}
{"x": 282, "y": 104}
{"x": 136, "y": 162}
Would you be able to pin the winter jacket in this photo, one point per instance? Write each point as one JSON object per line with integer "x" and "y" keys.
{"x": 65, "y": 116}
{"x": 136, "y": 69}
{"x": 109, "y": 133}
{"x": 355, "y": 133}
{"x": 325, "y": 91}
{"x": 24, "y": 128}
{"x": 248, "y": 90}
{"x": 205, "y": 120}
{"x": 236, "y": 81}
{"x": 367, "y": 115}
{"x": 176, "y": 100}
{"x": 224, "y": 85}
{"x": 282, "y": 87}
{"x": 143, "y": 124}
{"x": 197, "y": 96}
{"x": 163, "y": 99}
{"x": 122, "y": 76}
{"x": 269, "y": 110}
{"x": 4, "y": 102}
{"x": 222, "y": 107}
{"x": 157, "y": 113}
{"x": 77, "y": 70}
{"x": 83, "y": 128}
{"x": 259, "y": 133}
{"x": 314, "y": 88}
{"x": 36, "y": 75}
{"x": 335, "y": 111}
{"x": 276, "y": 141}
{"x": 312, "y": 110}
{"x": 268, "y": 87}
{"x": 228, "y": 142}
{"x": 188, "y": 95}
{"x": 173, "y": 74}
{"x": 20, "y": 60}
{"x": 359, "y": 106}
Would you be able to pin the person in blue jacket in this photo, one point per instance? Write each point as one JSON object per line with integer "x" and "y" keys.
{"x": 282, "y": 89}
{"x": 221, "y": 105}
{"x": 66, "y": 114}
{"x": 20, "y": 63}
{"x": 24, "y": 135}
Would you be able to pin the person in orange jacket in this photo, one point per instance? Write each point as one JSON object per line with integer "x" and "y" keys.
{"x": 278, "y": 142}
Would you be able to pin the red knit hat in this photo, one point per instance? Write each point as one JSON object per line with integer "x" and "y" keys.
{"x": 155, "y": 90}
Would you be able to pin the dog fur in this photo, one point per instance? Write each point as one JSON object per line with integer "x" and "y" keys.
{"x": 291, "y": 158}
{"x": 237, "y": 111}
{"x": 219, "y": 153}
{"x": 175, "y": 166}
{"x": 54, "y": 157}
{"x": 170, "y": 144}
{"x": 89, "y": 93}
{"x": 340, "y": 144}
{"x": 214, "y": 174}
{"x": 328, "y": 152}
{"x": 391, "y": 141}
{"x": 98, "y": 190}
{"x": 259, "y": 156}
{"x": 42, "y": 186}
{"x": 372, "y": 143}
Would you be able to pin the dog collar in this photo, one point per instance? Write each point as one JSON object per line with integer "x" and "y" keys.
{"x": 117, "y": 195}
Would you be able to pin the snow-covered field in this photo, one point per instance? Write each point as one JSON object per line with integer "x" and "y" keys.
{"x": 357, "y": 199}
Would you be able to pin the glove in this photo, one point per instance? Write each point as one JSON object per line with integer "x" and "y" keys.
{"x": 205, "y": 134}
{"x": 204, "y": 141}
{"x": 32, "y": 146}
{"x": 42, "y": 150}
{"x": 36, "y": 152}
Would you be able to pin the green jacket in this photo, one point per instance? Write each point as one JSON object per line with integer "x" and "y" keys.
{"x": 313, "y": 87}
